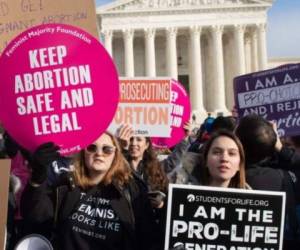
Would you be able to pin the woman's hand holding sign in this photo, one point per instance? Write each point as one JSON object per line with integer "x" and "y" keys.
{"x": 125, "y": 132}
{"x": 187, "y": 129}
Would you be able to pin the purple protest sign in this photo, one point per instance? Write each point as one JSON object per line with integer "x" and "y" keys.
{"x": 181, "y": 111}
{"x": 57, "y": 84}
{"x": 273, "y": 94}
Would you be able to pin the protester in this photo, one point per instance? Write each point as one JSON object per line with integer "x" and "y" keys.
{"x": 293, "y": 142}
{"x": 223, "y": 122}
{"x": 11, "y": 230}
{"x": 223, "y": 161}
{"x": 267, "y": 162}
{"x": 2, "y": 146}
{"x": 105, "y": 208}
{"x": 264, "y": 153}
{"x": 143, "y": 159}
{"x": 203, "y": 134}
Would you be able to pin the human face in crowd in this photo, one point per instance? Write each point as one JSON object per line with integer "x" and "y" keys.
{"x": 137, "y": 147}
{"x": 100, "y": 155}
{"x": 223, "y": 161}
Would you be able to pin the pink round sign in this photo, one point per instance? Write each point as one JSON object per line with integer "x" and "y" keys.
{"x": 181, "y": 111}
{"x": 57, "y": 84}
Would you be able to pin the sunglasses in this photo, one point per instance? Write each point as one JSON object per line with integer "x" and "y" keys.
{"x": 106, "y": 149}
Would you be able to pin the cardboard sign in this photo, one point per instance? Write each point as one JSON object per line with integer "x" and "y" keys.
{"x": 19, "y": 15}
{"x": 273, "y": 94}
{"x": 145, "y": 105}
{"x": 181, "y": 112}
{"x": 4, "y": 185}
{"x": 200, "y": 217}
{"x": 57, "y": 84}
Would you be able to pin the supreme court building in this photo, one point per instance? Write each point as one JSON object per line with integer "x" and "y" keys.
{"x": 202, "y": 43}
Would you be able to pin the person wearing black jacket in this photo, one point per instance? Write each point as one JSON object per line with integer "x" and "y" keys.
{"x": 104, "y": 207}
{"x": 264, "y": 153}
{"x": 267, "y": 166}
{"x": 143, "y": 160}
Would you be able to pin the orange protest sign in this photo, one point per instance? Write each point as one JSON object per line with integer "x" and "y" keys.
{"x": 145, "y": 91}
{"x": 19, "y": 15}
{"x": 145, "y": 105}
{"x": 4, "y": 183}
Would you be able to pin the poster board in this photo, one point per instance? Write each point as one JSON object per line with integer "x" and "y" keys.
{"x": 145, "y": 104}
{"x": 180, "y": 114}
{"x": 19, "y": 15}
{"x": 201, "y": 217}
{"x": 54, "y": 91}
{"x": 273, "y": 94}
{"x": 4, "y": 184}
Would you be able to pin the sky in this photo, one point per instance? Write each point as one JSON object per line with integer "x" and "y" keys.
{"x": 283, "y": 32}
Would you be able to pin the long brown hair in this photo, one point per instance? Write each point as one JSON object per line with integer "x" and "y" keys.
{"x": 119, "y": 172}
{"x": 156, "y": 177}
{"x": 237, "y": 181}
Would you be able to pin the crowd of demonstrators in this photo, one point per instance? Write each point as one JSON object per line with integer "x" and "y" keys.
{"x": 268, "y": 163}
{"x": 20, "y": 173}
{"x": 124, "y": 180}
{"x": 210, "y": 126}
{"x": 202, "y": 135}
{"x": 106, "y": 207}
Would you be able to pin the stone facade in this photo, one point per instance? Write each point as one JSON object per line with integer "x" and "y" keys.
{"x": 203, "y": 43}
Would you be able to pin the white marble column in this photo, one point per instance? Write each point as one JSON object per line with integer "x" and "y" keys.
{"x": 108, "y": 36}
{"x": 262, "y": 46}
{"x": 254, "y": 56}
{"x": 128, "y": 48}
{"x": 248, "y": 54}
{"x": 239, "y": 31}
{"x": 195, "y": 68}
{"x": 171, "y": 53}
{"x": 217, "y": 99}
{"x": 150, "y": 64}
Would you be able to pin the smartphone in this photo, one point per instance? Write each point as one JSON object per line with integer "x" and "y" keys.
{"x": 157, "y": 194}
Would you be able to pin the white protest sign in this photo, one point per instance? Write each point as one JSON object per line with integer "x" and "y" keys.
{"x": 145, "y": 103}
{"x": 201, "y": 217}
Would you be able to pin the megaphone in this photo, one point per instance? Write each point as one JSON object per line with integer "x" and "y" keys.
{"x": 34, "y": 242}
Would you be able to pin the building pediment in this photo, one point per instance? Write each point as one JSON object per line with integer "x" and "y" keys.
{"x": 152, "y": 5}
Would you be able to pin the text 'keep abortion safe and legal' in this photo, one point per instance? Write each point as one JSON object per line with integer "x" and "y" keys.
{"x": 68, "y": 78}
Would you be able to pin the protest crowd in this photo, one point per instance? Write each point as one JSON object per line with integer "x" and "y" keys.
{"x": 100, "y": 161}
{"x": 113, "y": 194}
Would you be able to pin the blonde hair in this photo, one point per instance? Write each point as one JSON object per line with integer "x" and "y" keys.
{"x": 119, "y": 171}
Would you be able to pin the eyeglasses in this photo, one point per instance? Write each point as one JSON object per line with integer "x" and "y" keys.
{"x": 106, "y": 149}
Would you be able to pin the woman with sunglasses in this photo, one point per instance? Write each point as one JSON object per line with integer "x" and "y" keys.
{"x": 106, "y": 208}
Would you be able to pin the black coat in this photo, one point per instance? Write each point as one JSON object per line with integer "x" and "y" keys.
{"x": 39, "y": 206}
{"x": 272, "y": 174}
{"x": 265, "y": 175}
